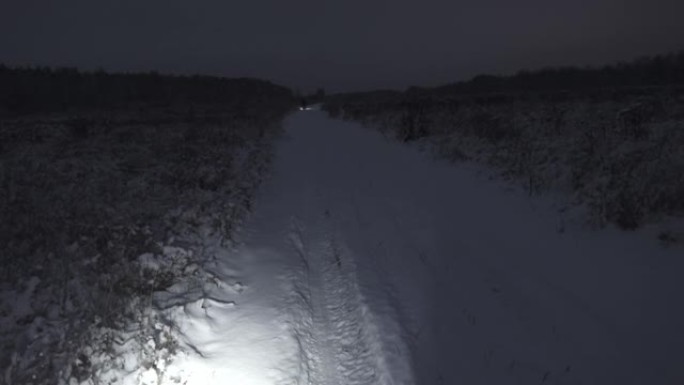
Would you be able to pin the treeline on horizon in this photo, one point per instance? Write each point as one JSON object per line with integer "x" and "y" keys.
{"x": 646, "y": 71}
{"x": 30, "y": 90}
{"x": 659, "y": 70}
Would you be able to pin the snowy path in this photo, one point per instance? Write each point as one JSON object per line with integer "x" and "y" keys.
{"x": 367, "y": 263}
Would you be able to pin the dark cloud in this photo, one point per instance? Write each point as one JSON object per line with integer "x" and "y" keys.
{"x": 342, "y": 45}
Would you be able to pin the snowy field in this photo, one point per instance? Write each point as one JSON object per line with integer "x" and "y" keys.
{"x": 616, "y": 154}
{"x": 102, "y": 211}
{"x": 367, "y": 262}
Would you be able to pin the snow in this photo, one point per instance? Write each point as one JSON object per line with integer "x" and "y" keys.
{"x": 367, "y": 262}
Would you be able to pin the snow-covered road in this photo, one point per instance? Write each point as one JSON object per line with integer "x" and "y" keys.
{"x": 366, "y": 262}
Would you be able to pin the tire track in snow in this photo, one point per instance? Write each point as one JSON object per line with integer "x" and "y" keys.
{"x": 399, "y": 328}
{"x": 302, "y": 311}
{"x": 346, "y": 316}
{"x": 340, "y": 342}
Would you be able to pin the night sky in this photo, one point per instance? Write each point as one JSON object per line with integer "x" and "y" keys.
{"x": 342, "y": 45}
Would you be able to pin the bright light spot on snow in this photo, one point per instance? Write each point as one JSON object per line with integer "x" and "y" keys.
{"x": 149, "y": 377}
{"x": 228, "y": 344}
{"x": 194, "y": 372}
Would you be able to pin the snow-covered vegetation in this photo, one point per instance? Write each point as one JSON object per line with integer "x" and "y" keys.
{"x": 105, "y": 198}
{"x": 611, "y": 138}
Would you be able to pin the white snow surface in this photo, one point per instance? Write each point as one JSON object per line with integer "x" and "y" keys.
{"x": 367, "y": 262}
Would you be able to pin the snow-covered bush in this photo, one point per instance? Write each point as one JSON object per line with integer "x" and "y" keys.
{"x": 91, "y": 207}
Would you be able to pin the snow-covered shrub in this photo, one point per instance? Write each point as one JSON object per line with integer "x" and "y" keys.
{"x": 82, "y": 199}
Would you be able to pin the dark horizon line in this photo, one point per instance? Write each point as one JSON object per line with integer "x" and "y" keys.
{"x": 153, "y": 72}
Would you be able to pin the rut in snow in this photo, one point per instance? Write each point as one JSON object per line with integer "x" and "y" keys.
{"x": 341, "y": 339}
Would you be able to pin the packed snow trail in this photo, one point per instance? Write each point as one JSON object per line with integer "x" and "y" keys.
{"x": 366, "y": 262}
